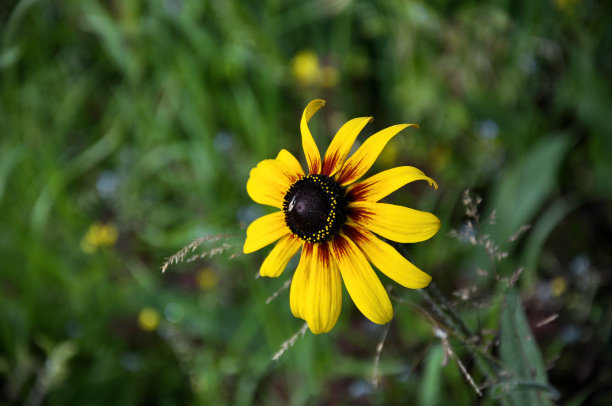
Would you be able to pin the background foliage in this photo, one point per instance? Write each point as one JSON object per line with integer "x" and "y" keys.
{"x": 128, "y": 129}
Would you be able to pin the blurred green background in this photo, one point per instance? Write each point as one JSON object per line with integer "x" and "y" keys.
{"x": 128, "y": 129}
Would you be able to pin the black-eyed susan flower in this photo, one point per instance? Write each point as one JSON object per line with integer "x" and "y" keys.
{"x": 336, "y": 221}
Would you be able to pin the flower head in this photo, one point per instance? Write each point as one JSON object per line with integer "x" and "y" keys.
{"x": 335, "y": 221}
{"x": 305, "y": 67}
{"x": 308, "y": 71}
{"x": 99, "y": 235}
{"x": 148, "y": 319}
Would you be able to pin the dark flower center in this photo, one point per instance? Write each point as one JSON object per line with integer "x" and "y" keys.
{"x": 315, "y": 208}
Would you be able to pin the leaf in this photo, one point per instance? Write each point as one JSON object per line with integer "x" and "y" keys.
{"x": 430, "y": 390}
{"x": 528, "y": 384}
{"x": 543, "y": 227}
{"x": 524, "y": 188}
{"x": 9, "y": 57}
{"x": 9, "y": 158}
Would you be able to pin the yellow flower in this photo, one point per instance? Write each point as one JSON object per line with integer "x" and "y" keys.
{"x": 331, "y": 217}
{"x": 207, "y": 279}
{"x": 148, "y": 319}
{"x": 308, "y": 71}
{"x": 305, "y": 67}
{"x": 99, "y": 235}
{"x": 558, "y": 286}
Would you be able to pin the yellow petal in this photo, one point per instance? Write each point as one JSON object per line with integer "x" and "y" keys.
{"x": 387, "y": 259}
{"x": 313, "y": 157}
{"x": 277, "y": 259}
{"x": 298, "y": 293}
{"x": 361, "y": 282}
{"x": 292, "y": 166}
{"x": 363, "y": 159}
{"x": 271, "y": 178}
{"x": 341, "y": 145}
{"x": 396, "y": 223}
{"x": 316, "y": 289}
{"x": 264, "y": 231}
{"x": 384, "y": 183}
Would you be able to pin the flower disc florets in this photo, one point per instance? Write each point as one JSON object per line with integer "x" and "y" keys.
{"x": 315, "y": 208}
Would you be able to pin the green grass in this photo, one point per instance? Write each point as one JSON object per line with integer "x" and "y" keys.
{"x": 149, "y": 116}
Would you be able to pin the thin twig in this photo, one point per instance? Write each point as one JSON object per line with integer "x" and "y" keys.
{"x": 547, "y": 320}
{"x": 289, "y": 343}
{"x": 519, "y": 232}
{"x": 379, "y": 347}
{"x": 448, "y": 352}
{"x": 444, "y": 308}
{"x": 180, "y": 256}
{"x": 469, "y": 344}
{"x": 278, "y": 292}
{"x": 210, "y": 253}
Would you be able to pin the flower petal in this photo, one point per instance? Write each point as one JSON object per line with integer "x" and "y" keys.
{"x": 316, "y": 289}
{"x": 292, "y": 166}
{"x": 387, "y": 259}
{"x": 396, "y": 223}
{"x": 264, "y": 231}
{"x": 277, "y": 259}
{"x": 271, "y": 178}
{"x": 298, "y": 292}
{"x": 384, "y": 183}
{"x": 363, "y": 159}
{"x": 361, "y": 282}
{"x": 341, "y": 145}
{"x": 313, "y": 157}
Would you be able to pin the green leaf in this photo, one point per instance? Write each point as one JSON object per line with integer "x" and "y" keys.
{"x": 528, "y": 382}
{"x": 430, "y": 390}
{"x": 525, "y": 186}
{"x": 543, "y": 227}
{"x": 9, "y": 57}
